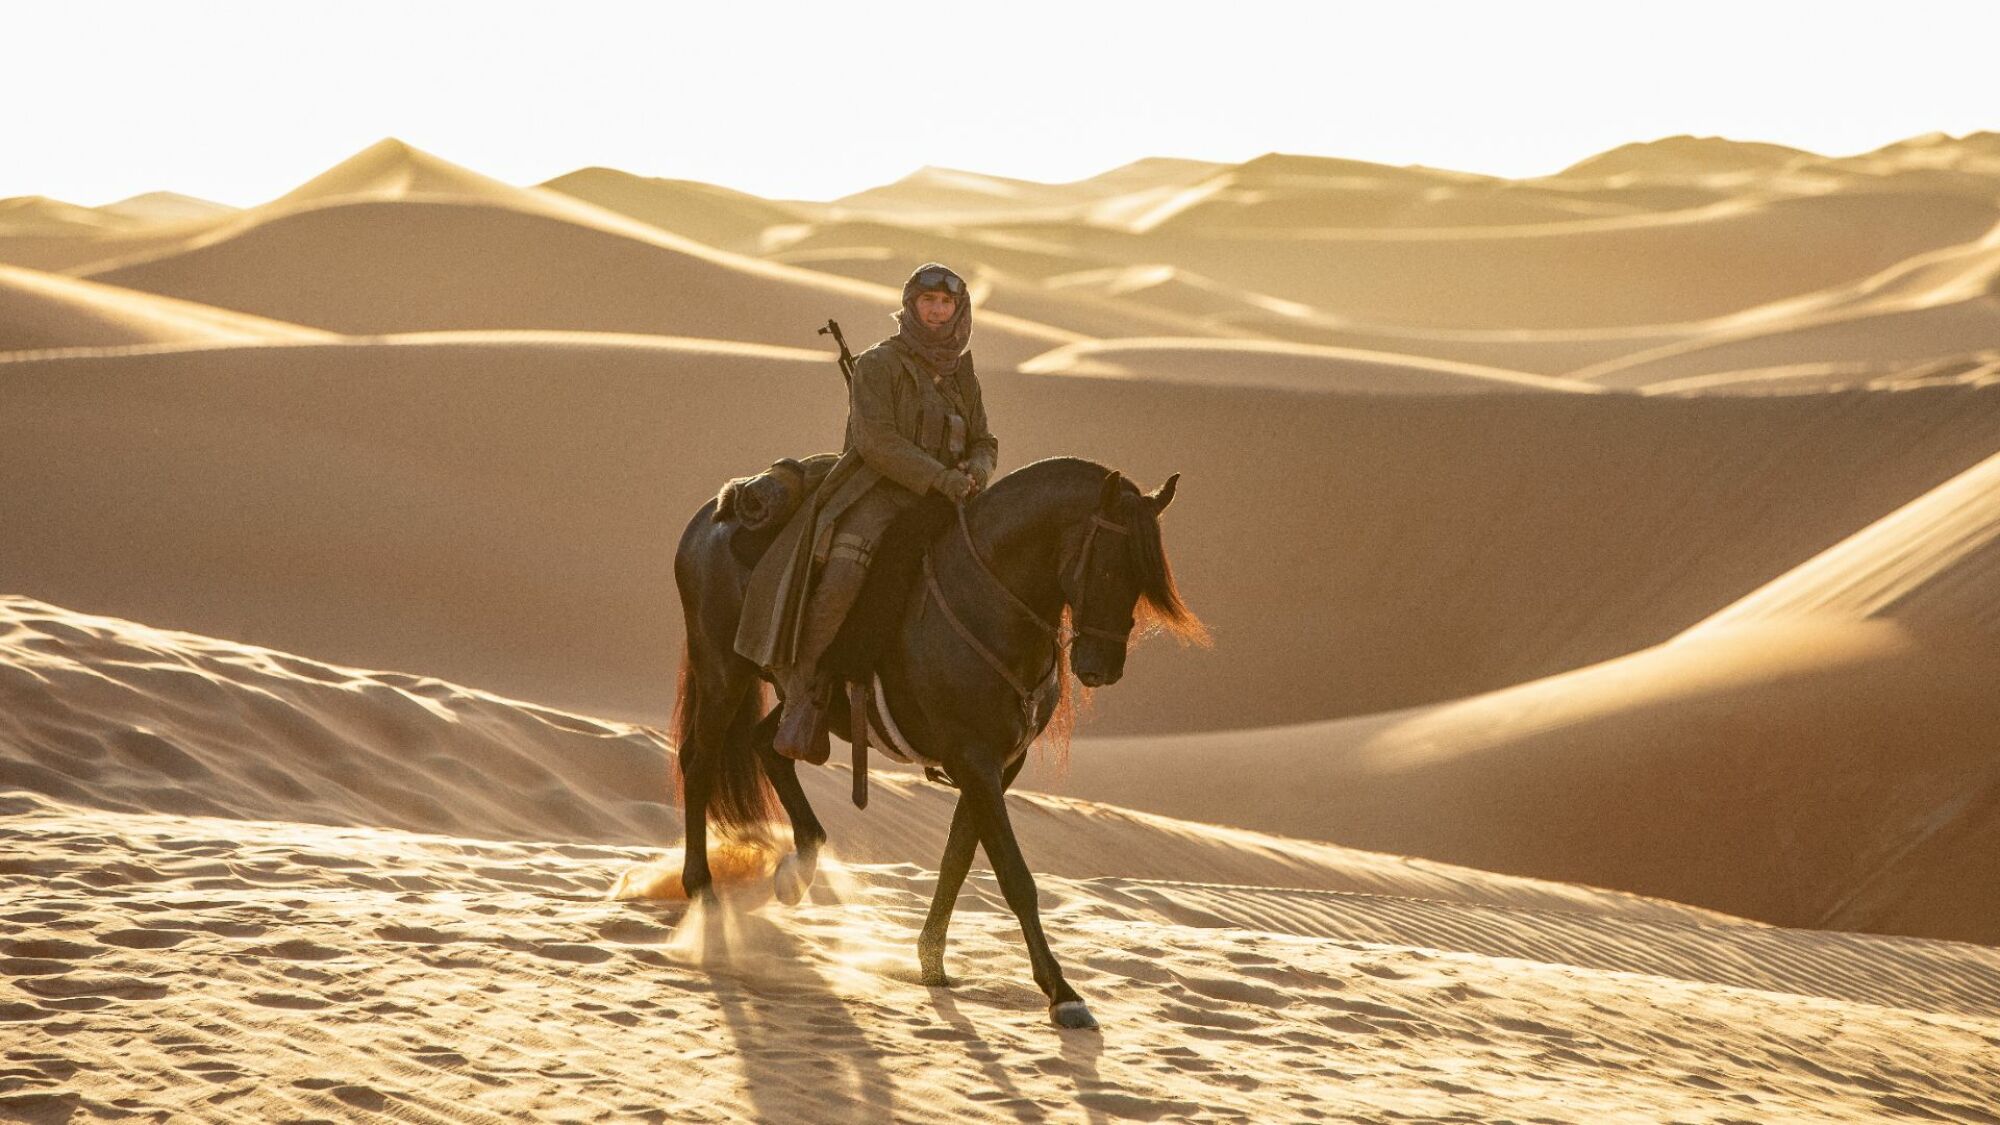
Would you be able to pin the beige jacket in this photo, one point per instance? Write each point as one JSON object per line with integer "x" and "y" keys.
{"x": 899, "y": 436}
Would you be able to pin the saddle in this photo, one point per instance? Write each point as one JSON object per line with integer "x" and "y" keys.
{"x": 761, "y": 505}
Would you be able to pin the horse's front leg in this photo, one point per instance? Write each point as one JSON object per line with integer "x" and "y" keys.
{"x": 958, "y": 848}
{"x": 984, "y": 791}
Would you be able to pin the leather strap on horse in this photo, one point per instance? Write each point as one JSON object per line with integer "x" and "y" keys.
{"x": 936, "y": 593}
{"x": 972, "y": 548}
{"x": 1097, "y": 523}
{"x": 975, "y": 644}
{"x": 857, "y": 710}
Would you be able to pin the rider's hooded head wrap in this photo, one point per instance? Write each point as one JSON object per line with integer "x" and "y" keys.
{"x": 938, "y": 348}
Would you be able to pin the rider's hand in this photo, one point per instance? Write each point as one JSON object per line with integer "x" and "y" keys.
{"x": 955, "y": 485}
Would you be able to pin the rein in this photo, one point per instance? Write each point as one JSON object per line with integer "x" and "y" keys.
{"x": 1053, "y": 631}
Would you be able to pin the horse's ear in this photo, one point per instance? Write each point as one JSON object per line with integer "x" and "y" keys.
{"x": 1163, "y": 495}
{"x": 1108, "y": 499}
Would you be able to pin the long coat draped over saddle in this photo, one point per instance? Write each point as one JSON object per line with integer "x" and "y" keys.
{"x": 899, "y": 436}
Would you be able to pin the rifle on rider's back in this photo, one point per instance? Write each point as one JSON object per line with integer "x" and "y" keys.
{"x": 846, "y": 357}
{"x": 855, "y": 705}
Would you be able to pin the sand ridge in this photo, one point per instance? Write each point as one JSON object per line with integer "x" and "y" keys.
{"x": 494, "y": 980}
{"x": 44, "y": 311}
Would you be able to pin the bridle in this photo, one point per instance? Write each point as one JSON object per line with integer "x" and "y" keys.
{"x": 1077, "y": 623}
{"x": 1053, "y": 630}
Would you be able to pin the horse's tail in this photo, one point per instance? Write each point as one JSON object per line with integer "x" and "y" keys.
{"x": 740, "y": 798}
{"x": 683, "y": 726}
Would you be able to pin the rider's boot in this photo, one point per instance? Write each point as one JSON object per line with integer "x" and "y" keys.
{"x": 805, "y": 696}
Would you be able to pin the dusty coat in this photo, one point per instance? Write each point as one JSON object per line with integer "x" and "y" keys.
{"x": 899, "y": 437}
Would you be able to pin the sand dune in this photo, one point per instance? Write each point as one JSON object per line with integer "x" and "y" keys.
{"x": 196, "y": 966}
{"x": 895, "y": 249}
{"x": 161, "y": 223}
{"x": 396, "y": 240}
{"x": 1216, "y": 308}
{"x": 382, "y": 266}
{"x": 1279, "y": 190}
{"x": 1286, "y": 366}
{"x": 1976, "y": 153}
{"x": 931, "y": 196}
{"x": 393, "y": 169}
{"x": 1174, "y": 290}
{"x": 1090, "y": 314}
{"x": 717, "y": 216}
{"x": 1908, "y": 336}
{"x": 38, "y": 214}
{"x": 1929, "y": 566}
{"x": 1684, "y": 155}
{"x": 1378, "y": 552}
{"x": 47, "y": 234}
{"x": 1805, "y": 775}
{"x": 112, "y": 715}
{"x": 1933, "y": 305}
{"x": 43, "y": 310}
{"x": 1640, "y": 270}
{"x": 1826, "y": 743}
{"x": 166, "y": 207}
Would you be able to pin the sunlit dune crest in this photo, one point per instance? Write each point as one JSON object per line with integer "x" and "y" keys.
{"x": 51, "y": 311}
{"x": 1292, "y": 366}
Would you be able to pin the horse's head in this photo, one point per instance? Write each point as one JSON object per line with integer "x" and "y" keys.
{"x": 1116, "y": 576}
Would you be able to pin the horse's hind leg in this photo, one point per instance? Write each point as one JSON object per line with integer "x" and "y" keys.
{"x": 720, "y": 702}
{"x": 795, "y": 872}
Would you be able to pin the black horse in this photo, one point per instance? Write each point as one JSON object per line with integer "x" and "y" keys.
{"x": 1062, "y": 551}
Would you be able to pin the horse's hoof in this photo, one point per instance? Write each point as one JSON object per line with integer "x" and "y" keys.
{"x": 1072, "y": 1014}
{"x": 794, "y": 877}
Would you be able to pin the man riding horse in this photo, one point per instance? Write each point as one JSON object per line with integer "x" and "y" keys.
{"x": 915, "y": 424}
{"x": 1046, "y": 576}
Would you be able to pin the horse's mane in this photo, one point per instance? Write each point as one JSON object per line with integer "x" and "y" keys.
{"x": 1159, "y": 609}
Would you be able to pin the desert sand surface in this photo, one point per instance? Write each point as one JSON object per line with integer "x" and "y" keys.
{"x": 1598, "y": 725}
{"x": 173, "y": 952}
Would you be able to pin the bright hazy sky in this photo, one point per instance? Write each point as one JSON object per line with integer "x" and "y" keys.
{"x": 240, "y": 102}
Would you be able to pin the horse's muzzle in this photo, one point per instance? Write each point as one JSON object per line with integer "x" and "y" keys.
{"x": 1092, "y": 678}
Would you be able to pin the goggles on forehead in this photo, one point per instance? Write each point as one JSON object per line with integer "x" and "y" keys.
{"x": 940, "y": 279}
